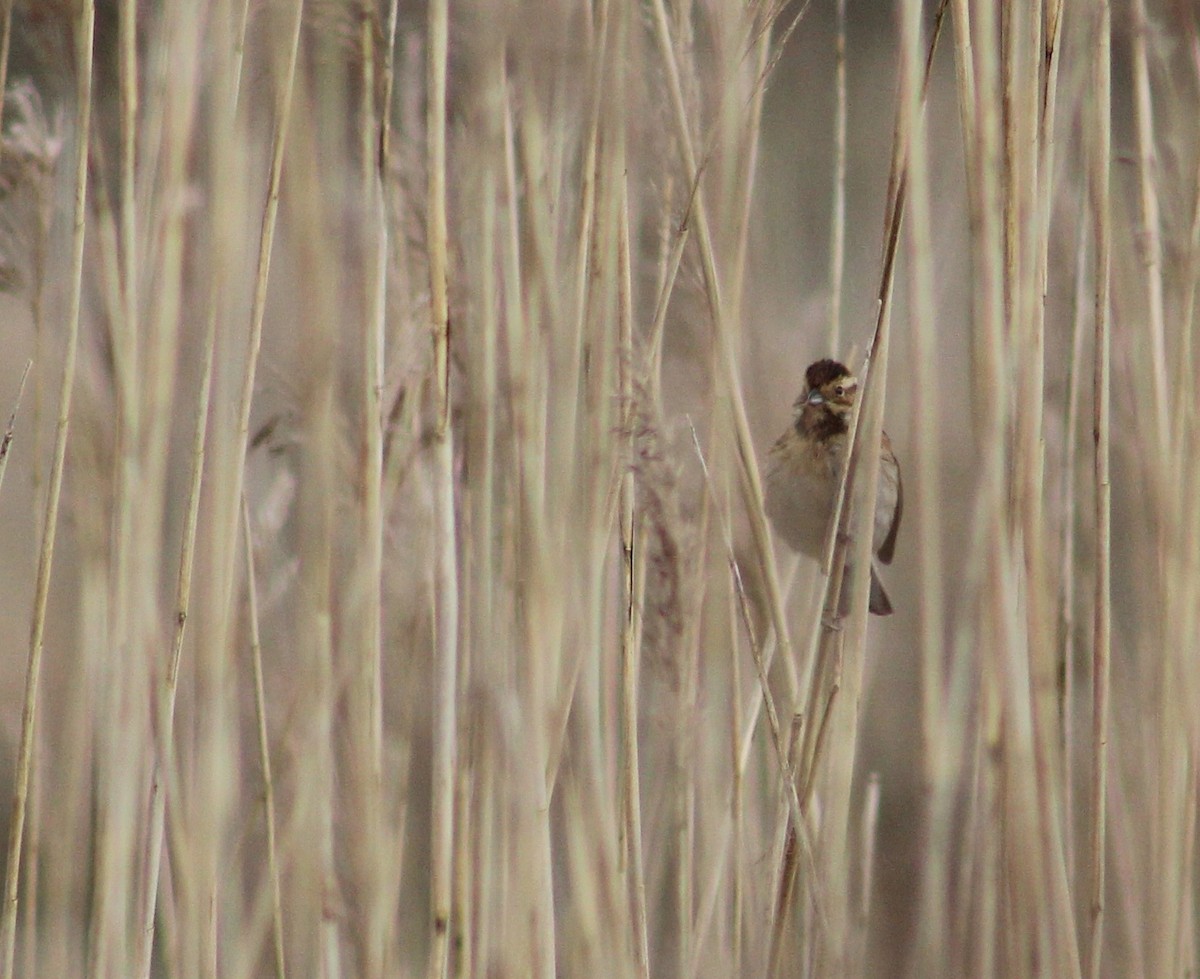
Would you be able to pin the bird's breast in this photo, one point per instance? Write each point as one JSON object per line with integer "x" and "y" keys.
{"x": 801, "y": 482}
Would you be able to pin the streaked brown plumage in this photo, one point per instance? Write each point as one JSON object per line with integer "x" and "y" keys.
{"x": 805, "y": 467}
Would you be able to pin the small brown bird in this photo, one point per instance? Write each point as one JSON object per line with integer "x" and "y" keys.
{"x": 805, "y": 468}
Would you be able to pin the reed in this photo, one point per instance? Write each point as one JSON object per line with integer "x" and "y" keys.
{"x": 399, "y": 595}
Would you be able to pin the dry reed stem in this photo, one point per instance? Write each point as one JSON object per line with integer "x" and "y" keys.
{"x": 6, "y": 12}
{"x": 926, "y": 469}
{"x": 737, "y": 803}
{"x": 1099, "y": 176}
{"x": 788, "y": 864}
{"x": 368, "y": 700}
{"x": 1070, "y": 516}
{"x": 385, "y": 102}
{"x": 6, "y": 441}
{"x": 1185, "y": 383}
{"x": 783, "y": 755}
{"x": 633, "y": 543}
{"x": 686, "y": 716}
{"x": 201, "y": 880}
{"x": 1165, "y": 485}
{"x": 750, "y": 481}
{"x": 264, "y": 751}
{"x": 837, "y": 231}
{"x": 743, "y": 748}
{"x": 239, "y": 52}
{"x": 123, "y": 739}
{"x": 558, "y": 656}
{"x": 283, "y": 113}
{"x": 1030, "y": 146}
{"x": 848, "y": 663}
{"x": 744, "y": 191}
{"x": 1149, "y": 241}
{"x": 976, "y": 41}
{"x": 445, "y": 586}
{"x": 127, "y": 67}
{"x": 868, "y": 840}
{"x": 833, "y": 562}
{"x": 829, "y": 673}
{"x": 164, "y": 766}
{"x": 84, "y": 27}
{"x": 989, "y": 548}
{"x": 565, "y": 423}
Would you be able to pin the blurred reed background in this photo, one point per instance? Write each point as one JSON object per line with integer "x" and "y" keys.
{"x": 386, "y": 585}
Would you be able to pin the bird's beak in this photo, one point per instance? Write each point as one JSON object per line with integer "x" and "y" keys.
{"x": 815, "y": 398}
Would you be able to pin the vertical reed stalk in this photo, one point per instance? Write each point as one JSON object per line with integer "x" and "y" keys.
{"x": 84, "y": 33}
{"x": 1102, "y": 624}
{"x": 445, "y": 583}
{"x": 837, "y": 244}
{"x": 264, "y": 752}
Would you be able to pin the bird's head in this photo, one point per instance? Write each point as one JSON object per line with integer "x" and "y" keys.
{"x": 824, "y": 405}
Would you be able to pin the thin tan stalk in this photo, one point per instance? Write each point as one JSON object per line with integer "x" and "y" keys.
{"x": 828, "y": 666}
{"x": 584, "y": 244}
{"x": 833, "y": 953}
{"x": 744, "y": 748}
{"x": 264, "y": 750}
{"x": 750, "y": 481}
{"x": 977, "y": 39}
{"x": 445, "y": 584}
{"x": 1067, "y": 590}
{"x": 588, "y": 267}
{"x": 239, "y": 50}
{"x": 633, "y": 540}
{"x": 837, "y": 245}
{"x": 833, "y": 563}
{"x": 1052, "y": 28}
{"x": 164, "y": 779}
{"x": 33, "y": 844}
{"x": 788, "y": 866}
{"x": 868, "y": 839}
{"x": 201, "y": 882}
{"x": 686, "y": 716}
{"x": 737, "y": 801}
{"x": 6, "y": 11}
{"x": 1165, "y": 485}
{"x": 123, "y": 741}
{"x": 36, "y": 782}
{"x": 1150, "y": 233}
{"x": 671, "y": 271}
{"x": 925, "y": 480}
{"x": 128, "y": 84}
{"x": 749, "y": 167}
{"x": 924, "y": 388}
{"x": 369, "y": 699}
{"x": 283, "y": 114}
{"x": 1102, "y": 624}
{"x": 84, "y": 33}
{"x": 375, "y": 326}
{"x": 6, "y": 441}
{"x": 164, "y": 767}
{"x": 1030, "y": 186}
{"x": 385, "y": 100}
{"x": 531, "y": 831}
{"x": 787, "y": 771}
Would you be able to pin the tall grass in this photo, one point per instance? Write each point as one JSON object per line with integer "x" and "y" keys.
{"x": 386, "y": 519}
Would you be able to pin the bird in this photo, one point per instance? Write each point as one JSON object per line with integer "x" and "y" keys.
{"x": 805, "y": 466}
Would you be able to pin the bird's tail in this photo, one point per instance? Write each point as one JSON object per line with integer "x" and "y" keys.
{"x": 879, "y": 603}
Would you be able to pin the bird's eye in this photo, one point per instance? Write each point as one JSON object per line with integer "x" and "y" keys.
{"x": 839, "y": 390}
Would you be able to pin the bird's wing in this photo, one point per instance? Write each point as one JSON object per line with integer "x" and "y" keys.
{"x": 888, "y": 549}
